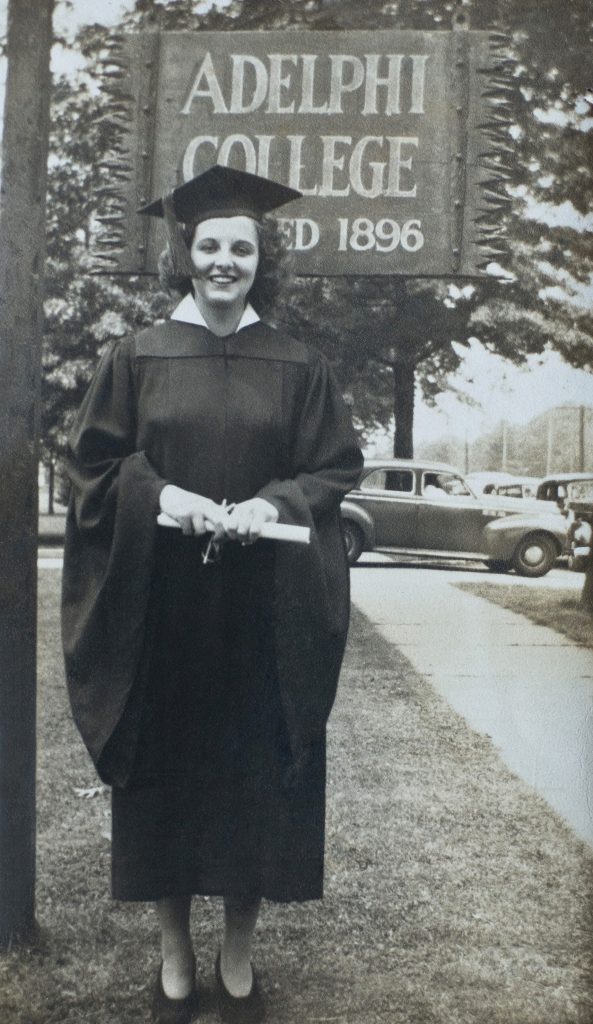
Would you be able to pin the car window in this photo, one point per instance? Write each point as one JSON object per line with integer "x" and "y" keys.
{"x": 511, "y": 491}
{"x": 401, "y": 480}
{"x": 443, "y": 485}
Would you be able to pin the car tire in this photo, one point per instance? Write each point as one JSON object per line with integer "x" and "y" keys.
{"x": 534, "y": 556}
{"x": 354, "y": 539}
{"x": 496, "y": 565}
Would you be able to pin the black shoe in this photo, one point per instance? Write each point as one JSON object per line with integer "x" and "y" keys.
{"x": 238, "y": 1009}
{"x": 173, "y": 1011}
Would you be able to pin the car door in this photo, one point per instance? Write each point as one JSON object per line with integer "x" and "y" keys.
{"x": 450, "y": 518}
{"x": 388, "y": 497}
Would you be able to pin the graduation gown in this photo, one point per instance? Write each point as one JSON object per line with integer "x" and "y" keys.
{"x": 156, "y": 644}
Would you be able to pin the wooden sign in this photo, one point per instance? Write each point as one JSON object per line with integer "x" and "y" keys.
{"x": 396, "y": 140}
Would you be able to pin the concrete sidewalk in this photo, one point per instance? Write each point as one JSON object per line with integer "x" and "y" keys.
{"x": 527, "y": 687}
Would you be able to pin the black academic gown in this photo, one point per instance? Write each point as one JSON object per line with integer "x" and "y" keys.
{"x": 205, "y": 690}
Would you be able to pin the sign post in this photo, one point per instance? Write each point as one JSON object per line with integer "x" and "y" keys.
{"x": 22, "y": 218}
{"x": 580, "y": 505}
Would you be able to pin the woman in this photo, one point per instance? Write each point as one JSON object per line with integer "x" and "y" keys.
{"x": 202, "y": 663}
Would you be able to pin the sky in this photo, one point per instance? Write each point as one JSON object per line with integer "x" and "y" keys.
{"x": 498, "y": 389}
{"x": 502, "y": 392}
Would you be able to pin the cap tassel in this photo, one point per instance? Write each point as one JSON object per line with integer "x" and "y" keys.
{"x": 180, "y": 256}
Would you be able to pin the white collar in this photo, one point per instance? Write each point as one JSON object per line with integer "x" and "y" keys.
{"x": 189, "y": 313}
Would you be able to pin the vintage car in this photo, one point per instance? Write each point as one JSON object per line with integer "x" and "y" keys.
{"x": 421, "y": 508}
{"x": 555, "y": 487}
{"x": 579, "y": 516}
{"x": 505, "y": 484}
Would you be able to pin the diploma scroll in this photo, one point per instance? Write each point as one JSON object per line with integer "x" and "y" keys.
{"x": 269, "y": 531}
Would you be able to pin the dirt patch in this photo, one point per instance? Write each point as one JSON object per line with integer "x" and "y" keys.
{"x": 453, "y": 894}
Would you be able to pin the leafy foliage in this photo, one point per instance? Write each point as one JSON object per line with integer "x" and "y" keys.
{"x": 546, "y": 303}
{"x": 83, "y": 312}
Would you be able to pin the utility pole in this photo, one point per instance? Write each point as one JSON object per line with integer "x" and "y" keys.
{"x": 581, "y": 442}
{"x": 505, "y": 446}
{"x": 550, "y": 442}
{"x": 22, "y": 253}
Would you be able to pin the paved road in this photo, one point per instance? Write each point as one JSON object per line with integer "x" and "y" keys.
{"x": 526, "y": 686}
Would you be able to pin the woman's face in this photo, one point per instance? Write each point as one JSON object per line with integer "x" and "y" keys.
{"x": 225, "y": 253}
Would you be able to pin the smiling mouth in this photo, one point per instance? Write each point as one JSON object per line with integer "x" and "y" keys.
{"x": 222, "y": 279}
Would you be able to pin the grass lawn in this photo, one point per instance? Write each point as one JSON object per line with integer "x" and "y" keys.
{"x": 454, "y": 895}
{"x": 557, "y": 608}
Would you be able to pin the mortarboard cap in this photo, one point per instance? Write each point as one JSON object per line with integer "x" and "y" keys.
{"x": 222, "y": 192}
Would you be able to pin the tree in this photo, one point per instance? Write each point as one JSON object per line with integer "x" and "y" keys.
{"x": 384, "y": 336}
{"x": 550, "y": 259}
{"x": 414, "y": 326}
{"x": 542, "y": 303}
{"x": 414, "y": 323}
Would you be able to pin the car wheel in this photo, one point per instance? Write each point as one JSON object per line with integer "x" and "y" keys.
{"x": 534, "y": 556}
{"x": 498, "y": 566}
{"x": 354, "y": 538}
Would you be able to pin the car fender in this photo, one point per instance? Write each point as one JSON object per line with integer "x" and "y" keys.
{"x": 501, "y": 536}
{"x": 357, "y": 515}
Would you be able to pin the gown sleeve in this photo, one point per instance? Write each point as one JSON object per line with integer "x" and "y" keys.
{"x": 326, "y": 458}
{"x": 312, "y": 591}
{"x": 108, "y": 551}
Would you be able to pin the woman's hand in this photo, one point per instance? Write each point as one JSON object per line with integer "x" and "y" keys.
{"x": 245, "y": 522}
{"x": 194, "y": 513}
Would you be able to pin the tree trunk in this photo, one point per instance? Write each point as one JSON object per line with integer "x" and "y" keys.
{"x": 504, "y": 462}
{"x": 404, "y": 380}
{"x": 587, "y": 591}
{"x": 51, "y": 486}
{"x": 581, "y": 452}
{"x": 550, "y": 440}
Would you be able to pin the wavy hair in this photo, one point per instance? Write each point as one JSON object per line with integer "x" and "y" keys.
{"x": 272, "y": 268}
